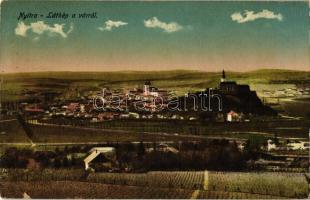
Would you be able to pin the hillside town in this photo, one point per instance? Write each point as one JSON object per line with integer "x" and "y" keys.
{"x": 150, "y": 102}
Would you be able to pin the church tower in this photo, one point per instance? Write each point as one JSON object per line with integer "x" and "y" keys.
{"x": 223, "y": 79}
{"x": 146, "y": 88}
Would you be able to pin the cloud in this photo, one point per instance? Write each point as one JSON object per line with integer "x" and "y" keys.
{"x": 109, "y": 25}
{"x": 40, "y": 28}
{"x": 251, "y": 16}
{"x": 167, "y": 27}
{"x": 21, "y": 29}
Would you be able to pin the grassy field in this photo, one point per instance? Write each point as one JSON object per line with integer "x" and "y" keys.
{"x": 65, "y": 183}
{"x": 166, "y": 130}
{"x": 147, "y": 131}
{"x": 54, "y": 134}
{"x": 237, "y": 130}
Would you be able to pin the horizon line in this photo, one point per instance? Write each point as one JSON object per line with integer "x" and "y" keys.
{"x": 146, "y": 71}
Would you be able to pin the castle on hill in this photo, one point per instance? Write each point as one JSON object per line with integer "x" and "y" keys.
{"x": 228, "y": 96}
{"x": 231, "y": 87}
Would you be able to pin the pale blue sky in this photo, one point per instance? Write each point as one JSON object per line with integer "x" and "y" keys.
{"x": 155, "y": 36}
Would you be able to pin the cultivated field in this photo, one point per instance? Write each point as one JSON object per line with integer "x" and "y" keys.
{"x": 291, "y": 185}
{"x": 70, "y": 189}
{"x": 158, "y": 184}
{"x": 188, "y": 180}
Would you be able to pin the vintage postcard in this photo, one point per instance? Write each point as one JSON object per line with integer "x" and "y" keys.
{"x": 154, "y": 99}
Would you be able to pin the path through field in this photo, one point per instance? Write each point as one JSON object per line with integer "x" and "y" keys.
{"x": 206, "y": 180}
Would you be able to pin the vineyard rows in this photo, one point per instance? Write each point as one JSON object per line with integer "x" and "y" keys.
{"x": 188, "y": 180}
{"x": 291, "y": 185}
{"x": 71, "y": 189}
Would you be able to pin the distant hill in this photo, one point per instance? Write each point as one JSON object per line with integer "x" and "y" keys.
{"x": 180, "y": 81}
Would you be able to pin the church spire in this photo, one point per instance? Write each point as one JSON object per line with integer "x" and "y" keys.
{"x": 223, "y": 76}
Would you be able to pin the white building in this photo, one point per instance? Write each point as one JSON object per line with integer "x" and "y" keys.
{"x": 271, "y": 145}
{"x": 298, "y": 146}
{"x": 94, "y": 152}
{"x": 232, "y": 116}
{"x": 146, "y": 88}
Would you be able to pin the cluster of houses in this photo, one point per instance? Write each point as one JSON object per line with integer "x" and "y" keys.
{"x": 290, "y": 146}
{"x": 287, "y": 92}
{"x": 108, "y": 105}
{"x": 87, "y": 111}
{"x": 138, "y": 103}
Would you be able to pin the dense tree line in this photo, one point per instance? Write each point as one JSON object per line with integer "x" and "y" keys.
{"x": 212, "y": 155}
{"x": 25, "y": 158}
